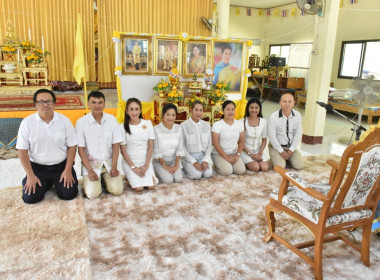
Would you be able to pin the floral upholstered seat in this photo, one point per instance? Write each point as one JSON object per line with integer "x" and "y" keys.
{"x": 346, "y": 202}
{"x": 310, "y": 207}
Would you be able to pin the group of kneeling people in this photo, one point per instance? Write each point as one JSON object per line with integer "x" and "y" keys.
{"x": 47, "y": 144}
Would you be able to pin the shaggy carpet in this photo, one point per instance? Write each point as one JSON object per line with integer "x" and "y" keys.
{"x": 209, "y": 229}
{"x": 47, "y": 240}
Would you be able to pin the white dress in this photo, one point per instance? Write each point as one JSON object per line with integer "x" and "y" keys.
{"x": 253, "y": 136}
{"x": 137, "y": 148}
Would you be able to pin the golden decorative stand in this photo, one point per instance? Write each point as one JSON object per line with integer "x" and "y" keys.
{"x": 11, "y": 78}
{"x": 211, "y": 112}
{"x": 33, "y": 74}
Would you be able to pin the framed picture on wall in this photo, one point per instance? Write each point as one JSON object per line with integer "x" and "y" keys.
{"x": 137, "y": 55}
{"x": 227, "y": 63}
{"x": 195, "y": 58}
{"x": 167, "y": 52}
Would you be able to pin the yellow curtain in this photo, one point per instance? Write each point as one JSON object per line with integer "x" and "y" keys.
{"x": 56, "y": 22}
{"x": 148, "y": 16}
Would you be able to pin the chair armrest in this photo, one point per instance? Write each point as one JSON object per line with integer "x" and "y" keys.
{"x": 299, "y": 183}
{"x": 334, "y": 169}
{"x": 334, "y": 164}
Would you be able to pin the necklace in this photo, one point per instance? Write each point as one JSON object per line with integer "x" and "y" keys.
{"x": 254, "y": 122}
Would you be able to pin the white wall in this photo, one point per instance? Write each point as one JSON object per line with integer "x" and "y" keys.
{"x": 246, "y": 27}
{"x": 359, "y": 21}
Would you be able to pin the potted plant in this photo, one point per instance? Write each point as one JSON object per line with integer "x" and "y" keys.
{"x": 195, "y": 98}
{"x": 36, "y": 56}
{"x": 162, "y": 87}
{"x": 9, "y": 51}
{"x": 26, "y": 46}
{"x": 175, "y": 95}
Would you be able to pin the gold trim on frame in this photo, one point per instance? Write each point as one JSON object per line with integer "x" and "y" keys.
{"x": 143, "y": 60}
{"x": 207, "y": 56}
{"x": 242, "y": 61}
{"x": 159, "y": 54}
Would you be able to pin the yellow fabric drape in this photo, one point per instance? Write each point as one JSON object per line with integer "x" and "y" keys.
{"x": 73, "y": 115}
{"x": 150, "y": 16}
{"x": 147, "y": 111}
{"x": 240, "y": 108}
{"x": 56, "y": 22}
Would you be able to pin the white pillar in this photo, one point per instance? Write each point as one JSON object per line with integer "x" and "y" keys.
{"x": 320, "y": 72}
{"x": 223, "y": 15}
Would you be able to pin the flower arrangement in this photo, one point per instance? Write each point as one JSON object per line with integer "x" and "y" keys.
{"x": 36, "y": 56}
{"x": 216, "y": 96}
{"x": 26, "y": 45}
{"x": 162, "y": 86}
{"x": 194, "y": 98}
{"x": 9, "y": 50}
{"x": 222, "y": 86}
{"x": 175, "y": 95}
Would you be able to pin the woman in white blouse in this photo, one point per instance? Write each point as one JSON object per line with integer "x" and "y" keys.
{"x": 137, "y": 148}
{"x": 197, "y": 162}
{"x": 168, "y": 147}
{"x": 228, "y": 141}
{"x": 255, "y": 137}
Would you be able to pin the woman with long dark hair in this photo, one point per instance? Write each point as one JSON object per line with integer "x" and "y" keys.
{"x": 137, "y": 148}
{"x": 168, "y": 147}
{"x": 228, "y": 141}
{"x": 255, "y": 137}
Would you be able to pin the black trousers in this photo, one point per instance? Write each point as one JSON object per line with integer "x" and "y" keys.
{"x": 49, "y": 175}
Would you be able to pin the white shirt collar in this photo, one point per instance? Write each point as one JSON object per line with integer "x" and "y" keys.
{"x": 195, "y": 123}
{"x": 55, "y": 117}
{"x": 91, "y": 119}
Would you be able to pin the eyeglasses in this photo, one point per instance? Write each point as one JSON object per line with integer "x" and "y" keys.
{"x": 43, "y": 102}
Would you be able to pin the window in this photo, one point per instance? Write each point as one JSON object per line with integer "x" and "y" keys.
{"x": 360, "y": 59}
{"x": 280, "y": 50}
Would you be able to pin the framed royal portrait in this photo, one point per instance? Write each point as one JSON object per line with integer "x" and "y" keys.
{"x": 167, "y": 52}
{"x": 227, "y": 64}
{"x": 137, "y": 55}
{"x": 195, "y": 58}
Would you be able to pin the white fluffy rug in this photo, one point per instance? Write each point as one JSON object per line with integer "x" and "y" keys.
{"x": 47, "y": 240}
{"x": 208, "y": 229}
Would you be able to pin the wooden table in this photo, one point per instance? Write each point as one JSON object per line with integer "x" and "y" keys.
{"x": 260, "y": 82}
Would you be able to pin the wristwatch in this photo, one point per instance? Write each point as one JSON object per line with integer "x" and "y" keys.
{"x": 238, "y": 154}
{"x": 133, "y": 167}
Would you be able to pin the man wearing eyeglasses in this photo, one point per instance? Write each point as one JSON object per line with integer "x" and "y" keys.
{"x": 46, "y": 146}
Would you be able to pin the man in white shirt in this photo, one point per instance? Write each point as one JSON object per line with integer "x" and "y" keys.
{"x": 46, "y": 146}
{"x": 284, "y": 133}
{"x": 99, "y": 138}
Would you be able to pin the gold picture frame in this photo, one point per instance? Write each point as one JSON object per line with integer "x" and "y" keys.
{"x": 136, "y": 55}
{"x": 196, "y": 56}
{"x": 227, "y": 63}
{"x": 167, "y": 52}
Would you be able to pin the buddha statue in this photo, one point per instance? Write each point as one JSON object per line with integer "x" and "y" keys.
{"x": 10, "y": 37}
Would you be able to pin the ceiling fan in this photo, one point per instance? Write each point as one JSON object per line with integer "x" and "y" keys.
{"x": 311, "y": 6}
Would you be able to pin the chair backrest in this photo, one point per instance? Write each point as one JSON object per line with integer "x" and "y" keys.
{"x": 360, "y": 188}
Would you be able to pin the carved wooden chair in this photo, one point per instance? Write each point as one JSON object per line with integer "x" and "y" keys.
{"x": 346, "y": 202}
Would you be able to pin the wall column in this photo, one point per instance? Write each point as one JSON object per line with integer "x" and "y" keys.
{"x": 223, "y": 18}
{"x": 320, "y": 73}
